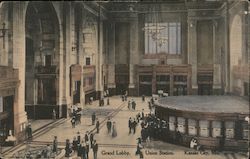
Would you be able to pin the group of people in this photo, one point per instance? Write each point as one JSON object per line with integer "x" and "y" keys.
{"x": 111, "y": 126}
{"x": 76, "y": 117}
{"x": 139, "y": 148}
{"x": 131, "y": 104}
{"x": 124, "y": 96}
{"x": 81, "y": 146}
{"x": 153, "y": 128}
{"x": 96, "y": 122}
{"x": 132, "y": 124}
{"x": 101, "y": 101}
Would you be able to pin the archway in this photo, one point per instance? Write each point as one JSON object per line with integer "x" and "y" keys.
{"x": 42, "y": 60}
{"x": 235, "y": 50}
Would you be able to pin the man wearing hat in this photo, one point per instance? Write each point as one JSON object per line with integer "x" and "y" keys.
{"x": 29, "y": 131}
{"x": 95, "y": 149}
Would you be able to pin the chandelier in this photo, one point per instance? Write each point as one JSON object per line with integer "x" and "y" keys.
{"x": 153, "y": 26}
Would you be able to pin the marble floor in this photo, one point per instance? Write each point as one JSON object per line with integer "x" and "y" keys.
{"x": 121, "y": 146}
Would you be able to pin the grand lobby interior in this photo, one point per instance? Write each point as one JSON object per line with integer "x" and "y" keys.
{"x": 191, "y": 57}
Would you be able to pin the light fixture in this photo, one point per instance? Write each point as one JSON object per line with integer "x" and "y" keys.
{"x": 3, "y": 30}
{"x": 154, "y": 27}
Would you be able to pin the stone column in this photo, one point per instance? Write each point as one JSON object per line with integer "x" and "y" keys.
{"x": 99, "y": 60}
{"x": 18, "y": 33}
{"x": 111, "y": 58}
{"x": 134, "y": 54}
{"x": 216, "y": 63}
{"x": 64, "y": 56}
{"x": 227, "y": 50}
{"x": 192, "y": 52}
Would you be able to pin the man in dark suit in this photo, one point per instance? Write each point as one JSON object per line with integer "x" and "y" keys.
{"x": 93, "y": 118}
{"x": 134, "y": 124}
{"x": 95, "y": 149}
{"x": 87, "y": 150}
{"x": 130, "y": 123}
{"x": 29, "y": 132}
{"x": 91, "y": 138}
{"x": 86, "y": 137}
{"x": 109, "y": 125}
{"x": 97, "y": 126}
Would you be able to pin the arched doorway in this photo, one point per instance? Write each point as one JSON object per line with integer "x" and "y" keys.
{"x": 235, "y": 52}
{"x": 42, "y": 60}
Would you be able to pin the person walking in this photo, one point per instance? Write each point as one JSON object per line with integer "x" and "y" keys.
{"x": 91, "y": 138}
{"x": 74, "y": 144}
{"x": 29, "y": 132}
{"x": 107, "y": 100}
{"x": 86, "y": 137}
{"x": 138, "y": 147}
{"x": 134, "y": 124}
{"x": 109, "y": 125}
{"x": 143, "y": 98}
{"x": 55, "y": 145}
{"x": 83, "y": 150}
{"x": 130, "y": 124}
{"x": 73, "y": 122}
{"x": 53, "y": 114}
{"x": 67, "y": 148}
{"x": 79, "y": 149}
{"x": 78, "y": 137}
{"x": 87, "y": 150}
{"x": 97, "y": 126}
{"x": 142, "y": 114}
{"x": 129, "y": 104}
{"x": 114, "y": 131}
{"x": 95, "y": 149}
{"x": 133, "y": 105}
{"x": 93, "y": 117}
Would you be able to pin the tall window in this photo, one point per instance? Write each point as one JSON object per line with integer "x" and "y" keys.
{"x": 171, "y": 32}
{"x": 87, "y": 60}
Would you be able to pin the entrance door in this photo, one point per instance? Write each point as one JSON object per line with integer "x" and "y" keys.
{"x": 205, "y": 89}
{"x": 47, "y": 91}
{"x": 145, "y": 89}
{"x": 121, "y": 88}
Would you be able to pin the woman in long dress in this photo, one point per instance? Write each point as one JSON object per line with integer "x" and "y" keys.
{"x": 114, "y": 132}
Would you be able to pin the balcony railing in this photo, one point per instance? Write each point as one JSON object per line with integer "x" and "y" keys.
{"x": 46, "y": 70}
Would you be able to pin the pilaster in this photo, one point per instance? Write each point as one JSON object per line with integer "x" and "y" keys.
{"x": 111, "y": 58}
{"x": 19, "y": 63}
{"x": 192, "y": 52}
{"x": 216, "y": 63}
{"x": 134, "y": 55}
